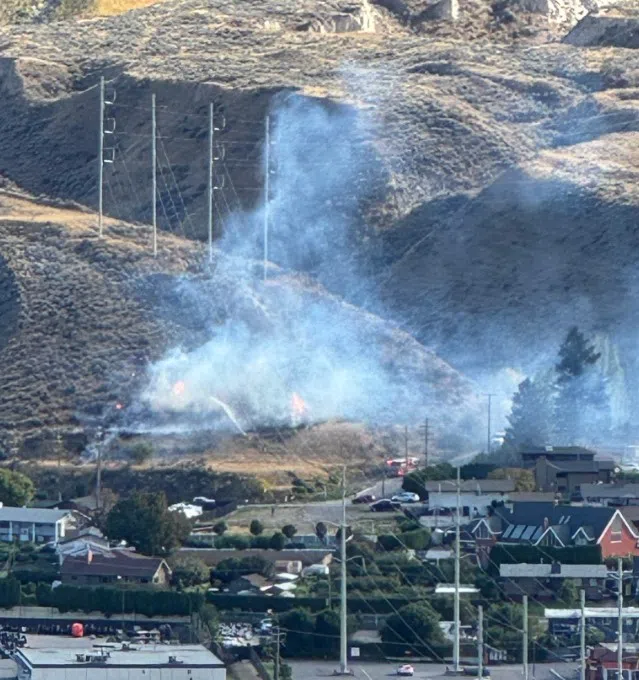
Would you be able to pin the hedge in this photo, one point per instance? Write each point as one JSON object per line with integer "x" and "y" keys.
{"x": 533, "y": 554}
{"x": 118, "y": 600}
{"x": 261, "y": 603}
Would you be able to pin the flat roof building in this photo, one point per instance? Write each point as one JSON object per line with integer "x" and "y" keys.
{"x": 117, "y": 661}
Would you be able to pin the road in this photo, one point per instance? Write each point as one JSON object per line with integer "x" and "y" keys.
{"x": 384, "y": 488}
{"x": 314, "y": 670}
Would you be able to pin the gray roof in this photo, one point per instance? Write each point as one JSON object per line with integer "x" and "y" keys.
{"x": 37, "y": 515}
{"x": 582, "y": 465}
{"x": 526, "y": 521}
{"x": 144, "y": 656}
{"x": 545, "y": 571}
{"x": 472, "y": 485}
{"x": 610, "y": 490}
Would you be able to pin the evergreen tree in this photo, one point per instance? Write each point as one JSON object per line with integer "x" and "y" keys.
{"x": 582, "y": 409}
{"x": 531, "y": 417}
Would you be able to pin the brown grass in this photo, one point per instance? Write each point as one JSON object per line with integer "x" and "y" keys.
{"x": 113, "y": 7}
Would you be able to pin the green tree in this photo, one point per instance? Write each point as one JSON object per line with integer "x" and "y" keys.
{"x": 321, "y": 531}
{"x": 568, "y": 593}
{"x": 233, "y": 567}
{"x": 256, "y": 527}
{"x": 16, "y": 489}
{"x": 144, "y": 521}
{"x": 220, "y": 527}
{"x": 415, "y": 629}
{"x": 524, "y": 479}
{"x": 189, "y": 571}
{"x": 414, "y": 481}
{"x": 532, "y": 416}
{"x": 582, "y": 407}
{"x": 299, "y": 626}
{"x": 141, "y": 452}
{"x": 278, "y": 541}
{"x": 504, "y": 631}
{"x": 289, "y": 530}
{"x": 210, "y": 619}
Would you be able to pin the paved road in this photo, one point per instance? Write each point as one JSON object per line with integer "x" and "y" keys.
{"x": 314, "y": 670}
{"x": 391, "y": 486}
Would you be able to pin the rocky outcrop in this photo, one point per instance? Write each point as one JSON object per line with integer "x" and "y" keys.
{"x": 614, "y": 26}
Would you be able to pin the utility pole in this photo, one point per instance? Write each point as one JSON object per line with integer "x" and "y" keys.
{"x": 210, "y": 183}
{"x": 426, "y": 436}
{"x": 277, "y": 638}
{"x": 406, "y": 446}
{"x": 490, "y": 396}
{"x": 101, "y": 160}
{"x": 98, "y": 471}
{"x": 524, "y": 653}
{"x": 267, "y": 172}
{"x": 582, "y": 637}
{"x": 155, "y": 174}
{"x": 59, "y": 452}
{"x": 620, "y": 619}
{"x": 343, "y": 630}
{"x": 480, "y": 642}
{"x": 457, "y": 565}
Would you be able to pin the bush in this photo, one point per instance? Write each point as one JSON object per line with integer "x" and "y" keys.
{"x": 141, "y": 452}
{"x": 261, "y": 542}
{"x": 230, "y": 569}
{"x": 256, "y": 527}
{"x": 289, "y": 530}
{"x": 220, "y": 527}
{"x": 278, "y": 541}
{"x": 235, "y": 541}
{"x": 189, "y": 571}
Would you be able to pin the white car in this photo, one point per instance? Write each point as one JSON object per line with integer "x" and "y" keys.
{"x": 406, "y": 497}
{"x": 406, "y": 670}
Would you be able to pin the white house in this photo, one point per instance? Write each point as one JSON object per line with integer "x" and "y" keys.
{"x": 106, "y": 662}
{"x": 37, "y": 525}
{"x": 475, "y": 496}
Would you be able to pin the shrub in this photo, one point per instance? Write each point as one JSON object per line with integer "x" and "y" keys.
{"x": 277, "y": 541}
{"x": 256, "y": 527}
{"x": 220, "y": 527}
{"x": 289, "y": 530}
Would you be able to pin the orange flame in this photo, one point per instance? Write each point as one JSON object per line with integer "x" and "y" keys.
{"x": 298, "y": 406}
{"x": 179, "y": 388}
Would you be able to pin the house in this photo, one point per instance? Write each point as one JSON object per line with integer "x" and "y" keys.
{"x": 83, "y": 541}
{"x": 542, "y": 581}
{"x": 567, "y": 477}
{"x": 475, "y": 496}
{"x": 550, "y": 524}
{"x": 38, "y": 525}
{"x": 611, "y": 494}
{"x": 555, "y": 454}
{"x": 115, "y": 566}
{"x": 567, "y": 621}
{"x": 603, "y": 663}
{"x": 249, "y": 584}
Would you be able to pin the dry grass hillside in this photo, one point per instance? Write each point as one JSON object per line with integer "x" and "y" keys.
{"x": 498, "y": 190}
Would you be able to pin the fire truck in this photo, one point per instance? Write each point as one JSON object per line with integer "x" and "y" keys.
{"x": 398, "y": 467}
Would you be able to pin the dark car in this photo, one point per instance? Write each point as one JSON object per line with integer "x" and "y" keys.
{"x": 385, "y": 505}
{"x": 364, "y": 498}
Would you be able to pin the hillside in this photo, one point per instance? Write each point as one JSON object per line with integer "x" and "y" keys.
{"x": 471, "y": 180}
{"x": 83, "y": 319}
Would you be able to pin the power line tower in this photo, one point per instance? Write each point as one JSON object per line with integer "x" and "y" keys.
{"x": 154, "y": 161}
{"x": 212, "y": 186}
{"x": 267, "y": 194}
{"x": 425, "y": 430}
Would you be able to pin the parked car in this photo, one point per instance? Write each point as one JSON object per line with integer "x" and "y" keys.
{"x": 405, "y": 669}
{"x": 364, "y": 498}
{"x": 474, "y": 670}
{"x": 385, "y": 505}
{"x": 406, "y": 497}
{"x": 204, "y": 502}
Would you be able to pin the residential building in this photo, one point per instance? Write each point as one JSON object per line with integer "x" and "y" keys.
{"x": 475, "y": 496}
{"x": 249, "y": 584}
{"x": 618, "y": 495}
{"x": 551, "y": 524}
{"x": 555, "y": 454}
{"x": 37, "y": 525}
{"x": 567, "y": 477}
{"x": 567, "y": 621}
{"x": 82, "y": 541}
{"x": 115, "y": 566}
{"x": 104, "y": 662}
{"x": 603, "y": 663}
{"x": 543, "y": 581}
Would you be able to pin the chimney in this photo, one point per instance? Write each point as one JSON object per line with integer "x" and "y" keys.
{"x": 545, "y": 523}
{"x": 89, "y": 556}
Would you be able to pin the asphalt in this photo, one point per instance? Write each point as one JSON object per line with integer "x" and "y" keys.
{"x": 314, "y": 670}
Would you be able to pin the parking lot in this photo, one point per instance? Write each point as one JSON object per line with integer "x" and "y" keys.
{"x": 312, "y": 670}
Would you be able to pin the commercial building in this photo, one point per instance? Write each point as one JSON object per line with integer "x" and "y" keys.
{"x": 37, "y": 525}
{"x": 118, "y": 661}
